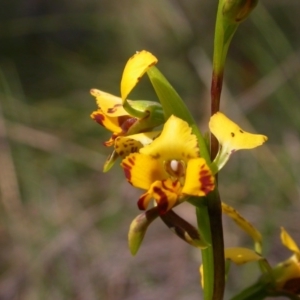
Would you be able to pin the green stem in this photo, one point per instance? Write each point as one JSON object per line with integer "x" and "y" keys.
{"x": 216, "y": 88}
{"x": 207, "y": 254}
{"x": 209, "y": 218}
{"x": 224, "y": 31}
{"x": 229, "y": 15}
{"x": 215, "y": 219}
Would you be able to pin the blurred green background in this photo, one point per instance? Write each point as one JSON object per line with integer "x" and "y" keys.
{"x": 63, "y": 223}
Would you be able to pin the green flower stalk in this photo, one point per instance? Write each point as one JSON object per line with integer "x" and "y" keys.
{"x": 229, "y": 15}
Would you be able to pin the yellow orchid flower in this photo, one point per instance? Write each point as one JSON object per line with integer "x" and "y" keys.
{"x": 169, "y": 168}
{"x": 231, "y": 138}
{"x": 125, "y": 117}
{"x": 287, "y": 273}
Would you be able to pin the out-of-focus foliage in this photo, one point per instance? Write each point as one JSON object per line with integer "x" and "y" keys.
{"x": 63, "y": 226}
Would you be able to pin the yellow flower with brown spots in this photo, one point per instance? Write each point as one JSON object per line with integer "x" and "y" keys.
{"x": 170, "y": 168}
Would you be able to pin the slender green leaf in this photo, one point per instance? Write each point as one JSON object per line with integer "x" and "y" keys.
{"x": 173, "y": 105}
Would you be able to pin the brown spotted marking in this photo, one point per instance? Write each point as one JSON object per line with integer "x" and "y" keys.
{"x": 99, "y": 118}
{"x": 164, "y": 186}
{"x": 156, "y": 156}
{"x": 162, "y": 202}
{"x": 174, "y": 183}
{"x": 206, "y": 180}
{"x": 132, "y": 160}
{"x": 134, "y": 149}
{"x": 127, "y": 147}
{"x": 127, "y": 171}
{"x": 232, "y": 134}
{"x": 187, "y": 156}
{"x": 114, "y": 108}
{"x": 141, "y": 202}
{"x": 128, "y": 167}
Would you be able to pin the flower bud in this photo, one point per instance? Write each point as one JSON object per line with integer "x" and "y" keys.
{"x": 238, "y": 10}
{"x": 138, "y": 228}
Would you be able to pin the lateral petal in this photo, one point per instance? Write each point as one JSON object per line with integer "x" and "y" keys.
{"x": 110, "y": 105}
{"x": 110, "y": 123}
{"x": 135, "y": 68}
{"x": 241, "y": 255}
{"x": 289, "y": 242}
{"x": 231, "y": 136}
{"x": 199, "y": 180}
{"x": 142, "y": 170}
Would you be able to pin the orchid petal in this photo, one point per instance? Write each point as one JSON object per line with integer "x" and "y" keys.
{"x": 110, "y": 105}
{"x": 241, "y": 255}
{"x": 142, "y": 170}
{"x": 135, "y": 68}
{"x": 231, "y": 138}
{"x": 109, "y": 162}
{"x": 112, "y": 124}
{"x": 199, "y": 180}
{"x": 244, "y": 224}
{"x": 165, "y": 193}
{"x": 184, "y": 230}
{"x": 124, "y": 145}
{"x": 289, "y": 242}
{"x": 175, "y": 142}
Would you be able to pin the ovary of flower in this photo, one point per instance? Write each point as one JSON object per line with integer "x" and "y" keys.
{"x": 231, "y": 138}
{"x": 169, "y": 168}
